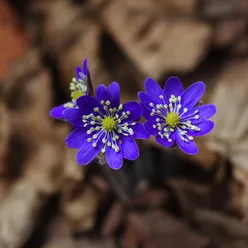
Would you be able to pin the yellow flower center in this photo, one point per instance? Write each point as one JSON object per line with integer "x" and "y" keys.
{"x": 76, "y": 94}
{"x": 108, "y": 123}
{"x": 172, "y": 119}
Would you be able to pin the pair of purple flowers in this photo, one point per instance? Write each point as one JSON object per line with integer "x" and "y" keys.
{"x": 102, "y": 125}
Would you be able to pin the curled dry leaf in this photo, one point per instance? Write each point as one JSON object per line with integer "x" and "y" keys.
{"x": 113, "y": 219}
{"x": 179, "y": 6}
{"x": 58, "y": 15}
{"x": 38, "y": 92}
{"x": 230, "y": 135}
{"x": 18, "y": 212}
{"x": 79, "y": 205}
{"x": 150, "y": 198}
{"x": 74, "y": 54}
{"x": 212, "y": 222}
{"x": 27, "y": 93}
{"x": 68, "y": 48}
{"x": 44, "y": 168}
{"x": 73, "y": 171}
{"x": 154, "y": 43}
{"x": 157, "y": 229}
{"x": 217, "y": 9}
{"x": 79, "y": 201}
{"x": 142, "y": 5}
{"x": 60, "y": 235}
{"x": 228, "y": 32}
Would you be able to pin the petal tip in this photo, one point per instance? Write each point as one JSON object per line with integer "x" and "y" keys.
{"x": 214, "y": 109}
{"x": 211, "y": 126}
{"x": 114, "y": 89}
{"x": 174, "y": 77}
{"x": 149, "y": 81}
{"x": 85, "y": 61}
{"x": 85, "y": 67}
{"x": 201, "y": 84}
{"x": 139, "y": 94}
{"x": 68, "y": 142}
{"x": 57, "y": 112}
{"x": 192, "y": 152}
{"x": 115, "y": 165}
{"x": 80, "y": 162}
{"x": 115, "y": 168}
{"x": 51, "y": 113}
{"x": 114, "y": 83}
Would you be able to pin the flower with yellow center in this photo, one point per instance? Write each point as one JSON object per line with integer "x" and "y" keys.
{"x": 170, "y": 119}
{"x": 105, "y": 128}
{"x": 173, "y": 115}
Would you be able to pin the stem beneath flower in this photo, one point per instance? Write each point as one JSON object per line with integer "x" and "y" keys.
{"x": 114, "y": 182}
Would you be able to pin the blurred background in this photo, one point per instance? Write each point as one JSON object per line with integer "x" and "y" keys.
{"x": 164, "y": 199}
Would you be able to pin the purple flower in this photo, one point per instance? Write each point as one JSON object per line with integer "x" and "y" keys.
{"x": 105, "y": 126}
{"x": 78, "y": 87}
{"x": 172, "y": 114}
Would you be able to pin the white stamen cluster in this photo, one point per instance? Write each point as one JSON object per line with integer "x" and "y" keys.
{"x": 70, "y": 104}
{"x": 178, "y": 123}
{"x": 107, "y": 126}
{"x": 78, "y": 85}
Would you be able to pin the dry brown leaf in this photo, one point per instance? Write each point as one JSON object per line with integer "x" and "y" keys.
{"x": 228, "y": 32}
{"x": 73, "y": 171}
{"x": 45, "y": 169}
{"x": 230, "y": 135}
{"x": 58, "y": 15}
{"x": 79, "y": 206}
{"x": 156, "y": 44}
{"x": 179, "y": 6}
{"x": 27, "y": 92}
{"x": 60, "y": 236}
{"x": 150, "y": 198}
{"x": 113, "y": 219}
{"x": 142, "y": 5}
{"x": 157, "y": 229}
{"x": 218, "y": 9}
{"x": 87, "y": 36}
{"x": 18, "y": 212}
